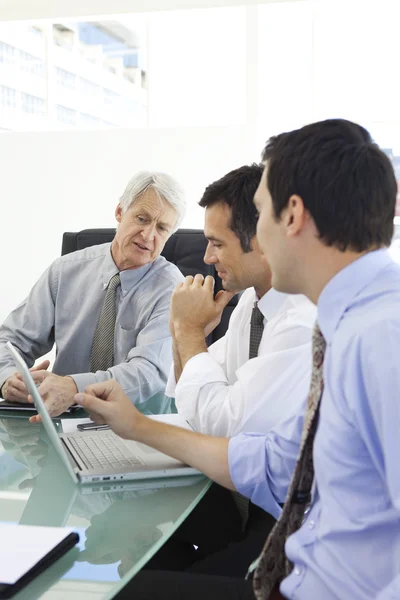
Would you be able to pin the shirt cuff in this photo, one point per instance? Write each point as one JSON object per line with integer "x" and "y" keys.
{"x": 199, "y": 371}
{"x": 247, "y": 458}
{"x": 82, "y": 380}
{"x": 171, "y": 384}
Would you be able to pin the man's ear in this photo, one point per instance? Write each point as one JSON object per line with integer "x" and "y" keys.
{"x": 255, "y": 245}
{"x": 294, "y": 216}
{"x": 118, "y": 213}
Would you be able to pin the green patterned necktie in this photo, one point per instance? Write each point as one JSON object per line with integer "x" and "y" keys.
{"x": 102, "y": 353}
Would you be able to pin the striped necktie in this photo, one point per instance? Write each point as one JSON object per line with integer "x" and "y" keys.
{"x": 273, "y": 565}
{"x": 102, "y": 353}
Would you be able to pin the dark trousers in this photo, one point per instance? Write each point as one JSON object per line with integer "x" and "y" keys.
{"x": 198, "y": 573}
{"x": 172, "y": 585}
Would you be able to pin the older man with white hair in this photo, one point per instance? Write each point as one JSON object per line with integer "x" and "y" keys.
{"x": 106, "y": 308}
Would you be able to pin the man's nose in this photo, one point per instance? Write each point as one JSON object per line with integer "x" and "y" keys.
{"x": 149, "y": 232}
{"x": 209, "y": 256}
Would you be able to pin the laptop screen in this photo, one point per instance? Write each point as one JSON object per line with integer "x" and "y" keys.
{"x": 40, "y": 407}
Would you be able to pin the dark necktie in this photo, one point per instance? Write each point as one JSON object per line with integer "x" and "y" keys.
{"x": 102, "y": 353}
{"x": 256, "y": 331}
{"x": 273, "y": 565}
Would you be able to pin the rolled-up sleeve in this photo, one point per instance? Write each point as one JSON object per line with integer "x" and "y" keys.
{"x": 261, "y": 466}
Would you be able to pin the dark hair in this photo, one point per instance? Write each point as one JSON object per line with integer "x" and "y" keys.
{"x": 237, "y": 189}
{"x": 345, "y": 181}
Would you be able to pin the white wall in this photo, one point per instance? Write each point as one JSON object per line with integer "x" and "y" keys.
{"x": 53, "y": 182}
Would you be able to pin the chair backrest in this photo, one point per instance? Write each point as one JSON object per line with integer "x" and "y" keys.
{"x": 185, "y": 249}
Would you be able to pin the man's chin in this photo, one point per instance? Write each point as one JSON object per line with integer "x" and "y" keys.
{"x": 230, "y": 287}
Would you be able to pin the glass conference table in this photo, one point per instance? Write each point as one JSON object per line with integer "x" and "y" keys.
{"x": 120, "y": 530}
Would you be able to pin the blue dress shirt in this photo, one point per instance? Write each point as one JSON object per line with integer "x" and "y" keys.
{"x": 348, "y": 547}
{"x": 63, "y": 308}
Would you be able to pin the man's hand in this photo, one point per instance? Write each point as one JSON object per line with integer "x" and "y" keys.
{"x": 193, "y": 306}
{"x": 106, "y": 402}
{"x": 57, "y": 392}
{"x": 14, "y": 389}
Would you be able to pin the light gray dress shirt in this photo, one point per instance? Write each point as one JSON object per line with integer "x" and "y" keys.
{"x": 63, "y": 308}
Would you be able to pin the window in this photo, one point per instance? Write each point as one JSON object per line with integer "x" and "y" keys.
{"x": 7, "y": 53}
{"x": 31, "y": 64}
{"x": 198, "y": 67}
{"x": 8, "y": 97}
{"x": 92, "y": 69}
{"x": 32, "y": 104}
{"x": 65, "y": 78}
{"x": 66, "y": 115}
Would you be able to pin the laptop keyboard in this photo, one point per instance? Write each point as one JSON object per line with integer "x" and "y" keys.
{"x": 103, "y": 451}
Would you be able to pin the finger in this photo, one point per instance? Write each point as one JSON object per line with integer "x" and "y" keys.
{"x": 222, "y": 299}
{"x": 102, "y": 389}
{"x": 43, "y": 366}
{"x": 35, "y": 419}
{"x": 198, "y": 280}
{"x": 188, "y": 280}
{"x": 93, "y": 405}
{"x": 17, "y": 389}
{"x": 39, "y": 376}
{"x": 209, "y": 283}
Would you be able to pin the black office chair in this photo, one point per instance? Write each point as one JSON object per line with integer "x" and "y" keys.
{"x": 185, "y": 249}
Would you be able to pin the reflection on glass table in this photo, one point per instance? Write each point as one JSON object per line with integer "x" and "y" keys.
{"x": 121, "y": 526}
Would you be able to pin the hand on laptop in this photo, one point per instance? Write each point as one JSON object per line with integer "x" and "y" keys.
{"x": 57, "y": 392}
{"x": 14, "y": 389}
{"x": 106, "y": 402}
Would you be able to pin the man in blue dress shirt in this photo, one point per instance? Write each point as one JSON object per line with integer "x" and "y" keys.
{"x": 326, "y": 204}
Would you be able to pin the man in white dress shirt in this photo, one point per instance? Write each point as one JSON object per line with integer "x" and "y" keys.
{"x": 233, "y": 386}
{"x": 223, "y": 391}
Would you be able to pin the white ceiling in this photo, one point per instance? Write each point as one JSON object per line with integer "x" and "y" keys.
{"x": 63, "y": 9}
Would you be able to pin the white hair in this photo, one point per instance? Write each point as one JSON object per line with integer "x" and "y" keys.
{"x": 165, "y": 186}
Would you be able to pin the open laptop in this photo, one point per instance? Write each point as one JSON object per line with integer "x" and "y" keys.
{"x": 94, "y": 456}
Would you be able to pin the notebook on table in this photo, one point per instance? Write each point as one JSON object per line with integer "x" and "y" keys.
{"x": 96, "y": 456}
{"x": 26, "y": 551}
{"x": 24, "y": 406}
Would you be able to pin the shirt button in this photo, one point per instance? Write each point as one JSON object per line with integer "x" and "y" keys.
{"x": 311, "y": 525}
{"x": 297, "y": 571}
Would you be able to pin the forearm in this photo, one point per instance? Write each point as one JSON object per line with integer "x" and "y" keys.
{"x": 205, "y": 453}
{"x": 142, "y": 376}
{"x": 177, "y": 360}
{"x": 189, "y": 342}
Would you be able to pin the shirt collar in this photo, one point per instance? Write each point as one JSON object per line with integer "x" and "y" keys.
{"x": 132, "y": 276}
{"x": 340, "y": 291}
{"x": 128, "y": 278}
{"x": 270, "y": 303}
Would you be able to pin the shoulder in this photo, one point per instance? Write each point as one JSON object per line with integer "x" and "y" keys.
{"x": 165, "y": 272}
{"x": 299, "y": 311}
{"x": 370, "y": 326}
{"x": 87, "y": 255}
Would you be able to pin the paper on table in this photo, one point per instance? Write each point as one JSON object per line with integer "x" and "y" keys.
{"x": 23, "y": 546}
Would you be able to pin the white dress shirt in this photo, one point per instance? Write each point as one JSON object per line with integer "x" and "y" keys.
{"x": 222, "y": 392}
